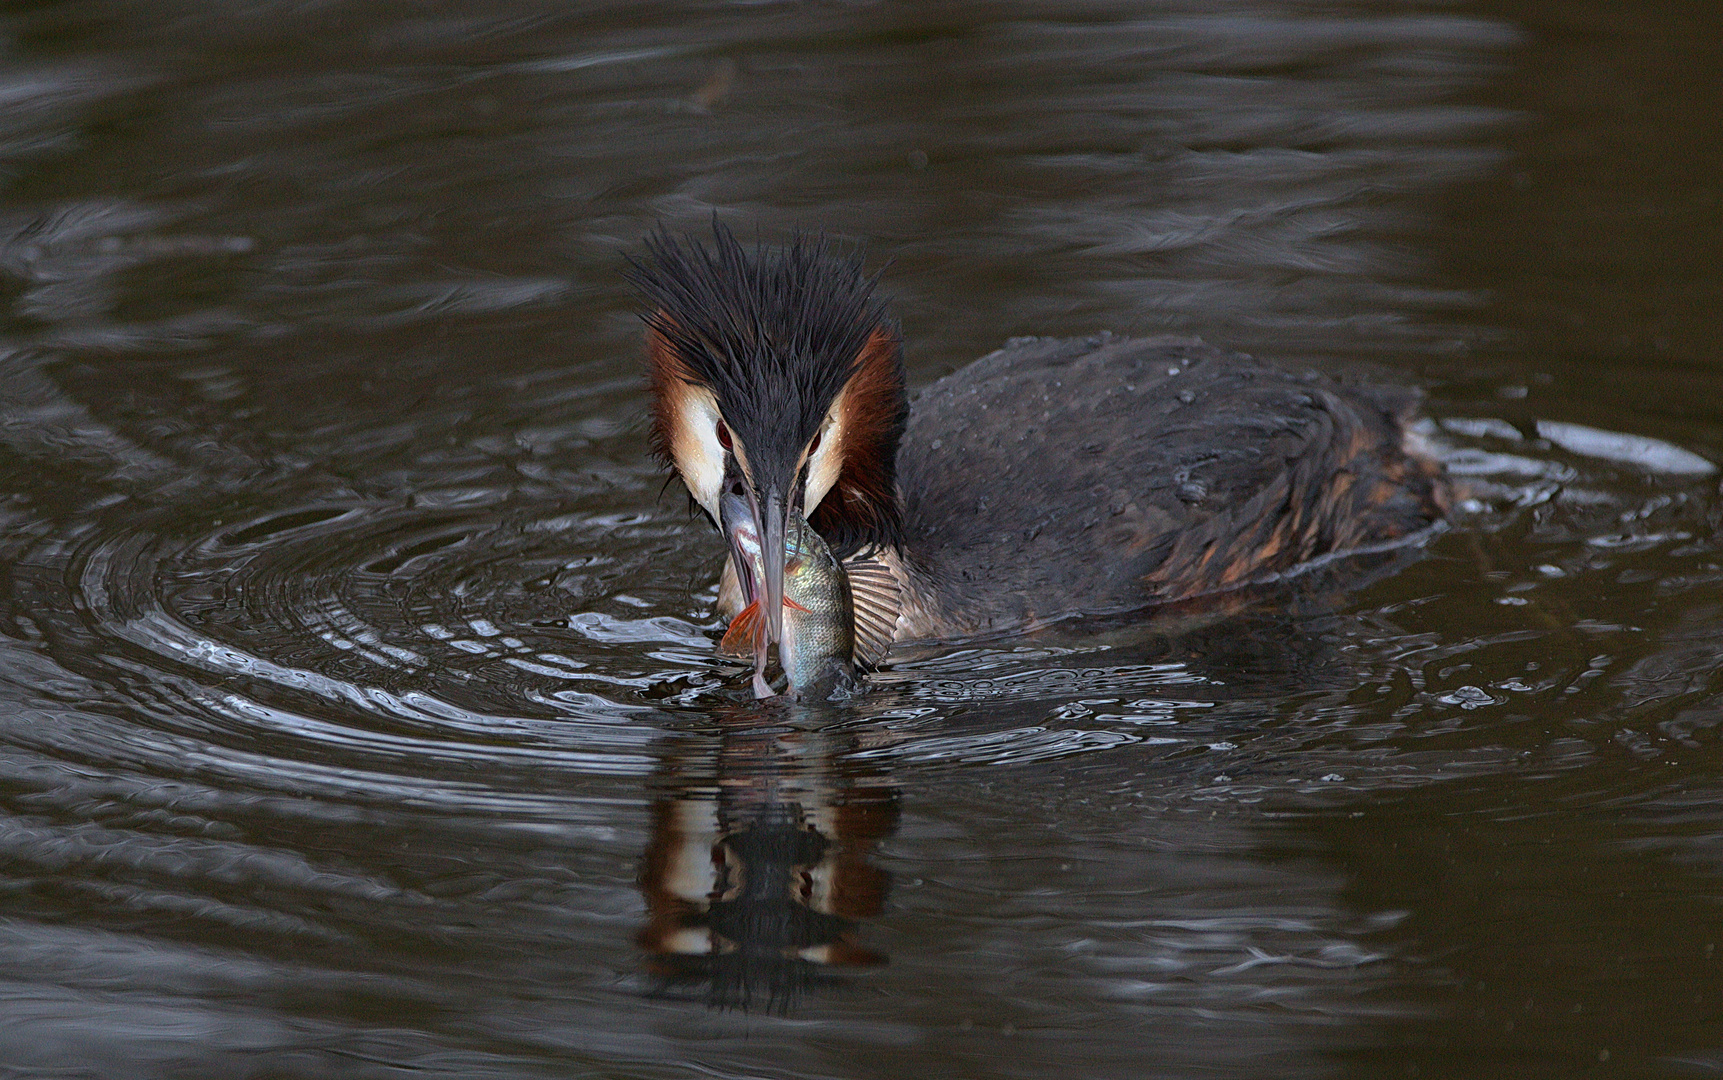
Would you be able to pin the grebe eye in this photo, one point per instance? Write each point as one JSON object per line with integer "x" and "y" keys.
{"x": 723, "y": 435}
{"x": 814, "y": 446}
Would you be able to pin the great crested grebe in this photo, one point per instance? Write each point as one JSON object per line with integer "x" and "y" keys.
{"x": 1054, "y": 477}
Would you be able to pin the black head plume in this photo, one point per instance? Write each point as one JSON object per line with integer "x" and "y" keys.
{"x": 777, "y": 334}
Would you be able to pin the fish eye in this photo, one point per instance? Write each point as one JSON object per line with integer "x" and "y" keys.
{"x": 723, "y": 435}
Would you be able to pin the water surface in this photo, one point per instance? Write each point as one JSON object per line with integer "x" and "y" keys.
{"x": 358, "y": 708}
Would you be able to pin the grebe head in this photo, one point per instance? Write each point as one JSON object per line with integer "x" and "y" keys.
{"x": 775, "y": 376}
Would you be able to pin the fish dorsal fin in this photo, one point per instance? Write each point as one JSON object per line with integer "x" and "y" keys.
{"x": 744, "y": 630}
{"x": 874, "y": 594}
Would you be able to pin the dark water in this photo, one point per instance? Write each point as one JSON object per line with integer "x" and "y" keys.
{"x": 360, "y": 717}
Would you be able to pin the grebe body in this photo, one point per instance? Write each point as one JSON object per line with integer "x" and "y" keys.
{"x": 1051, "y": 478}
{"x": 1100, "y": 475}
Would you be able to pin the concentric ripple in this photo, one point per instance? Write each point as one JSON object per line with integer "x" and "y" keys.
{"x": 399, "y": 631}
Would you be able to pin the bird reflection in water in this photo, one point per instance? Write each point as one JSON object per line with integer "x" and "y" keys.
{"x": 758, "y": 872}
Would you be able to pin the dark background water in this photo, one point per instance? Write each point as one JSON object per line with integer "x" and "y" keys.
{"x": 358, "y": 714}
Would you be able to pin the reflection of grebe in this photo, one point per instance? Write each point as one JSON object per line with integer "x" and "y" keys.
{"x": 1050, "y": 478}
{"x": 758, "y": 872}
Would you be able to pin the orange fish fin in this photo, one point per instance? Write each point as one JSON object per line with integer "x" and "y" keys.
{"x": 745, "y": 630}
{"x": 793, "y": 605}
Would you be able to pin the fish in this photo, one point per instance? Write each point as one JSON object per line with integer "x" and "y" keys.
{"x": 818, "y": 650}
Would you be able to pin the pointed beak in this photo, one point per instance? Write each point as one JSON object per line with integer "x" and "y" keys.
{"x": 770, "y": 521}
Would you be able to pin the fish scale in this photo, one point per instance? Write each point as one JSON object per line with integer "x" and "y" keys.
{"x": 817, "y": 652}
